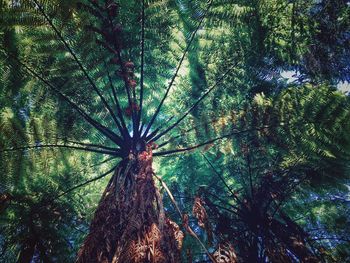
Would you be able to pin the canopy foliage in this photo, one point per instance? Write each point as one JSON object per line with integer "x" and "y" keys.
{"x": 239, "y": 99}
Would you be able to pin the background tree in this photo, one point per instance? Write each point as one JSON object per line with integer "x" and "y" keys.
{"x": 83, "y": 80}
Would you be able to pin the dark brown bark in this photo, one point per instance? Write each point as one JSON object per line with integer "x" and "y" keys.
{"x": 294, "y": 240}
{"x": 280, "y": 236}
{"x": 129, "y": 224}
{"x": 27, "y": 251}
{"x": 43, "y": 252}
{"x": 5, "y": 199}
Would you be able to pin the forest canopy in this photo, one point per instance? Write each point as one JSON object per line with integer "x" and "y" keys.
{"x": 174, "y": 131}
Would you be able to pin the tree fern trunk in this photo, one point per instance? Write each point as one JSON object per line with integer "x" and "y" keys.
{"x": 294, "y": 241}
{"x": 27, "y": 252}
{"x": 129, "y": 224}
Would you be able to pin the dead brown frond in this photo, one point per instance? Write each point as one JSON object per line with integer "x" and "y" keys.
{"x": 200, "y": 213}
{"x": 225, "y": 254}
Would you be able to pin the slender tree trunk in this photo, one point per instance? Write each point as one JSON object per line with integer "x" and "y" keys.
{"x": 129, "y": 224}
{"x": 5, "y": 199}
{"x": 27, "y": 252}
{"x": 253, "y": 253}
{"x": 43, "y": 252}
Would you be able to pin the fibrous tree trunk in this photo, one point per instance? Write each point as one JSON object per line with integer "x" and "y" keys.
{"x": 129, "y": 224}
{"x": 27, "y": 251}
{"x": 294, "y": 239}
{"x": 32, "y": 245}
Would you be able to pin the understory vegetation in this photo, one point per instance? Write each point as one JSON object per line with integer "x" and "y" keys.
{"x": 174, "y": 131}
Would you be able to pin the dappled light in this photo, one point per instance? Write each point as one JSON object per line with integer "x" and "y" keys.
{"x": 171, "y": 131}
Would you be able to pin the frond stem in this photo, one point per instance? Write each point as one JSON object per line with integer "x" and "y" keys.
{"x": 104, "y": 130}
{"x": 30, "y": 147}
{"x": 142, "y": 65}
{"x": 207, "y": 142}
{"x": 70, "y": 50}
{"x": 176, "y": 71}
{"x": 195, "y": 104}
